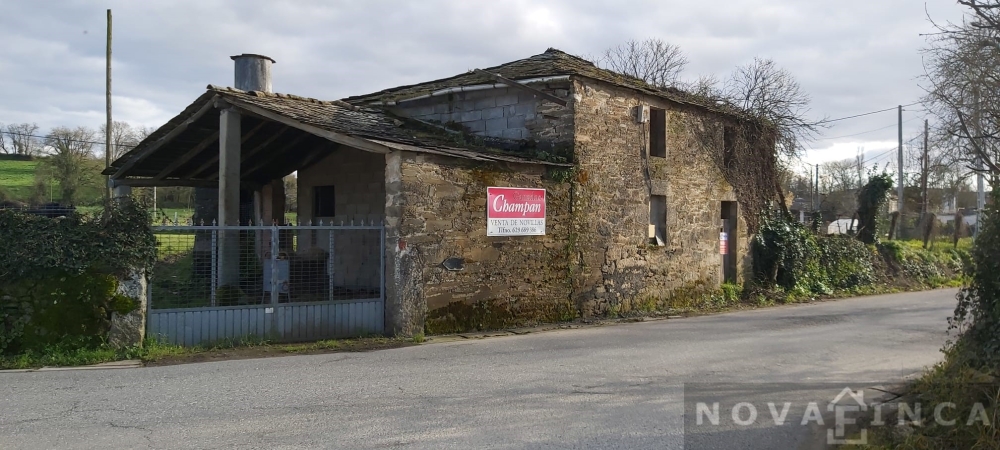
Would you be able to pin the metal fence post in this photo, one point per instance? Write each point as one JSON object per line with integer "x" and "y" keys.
{"x": 215, "y": 264}
{"x": 275, "y": 289}
{"x": 381, "y": 264}
{"x": 330, "y": 265}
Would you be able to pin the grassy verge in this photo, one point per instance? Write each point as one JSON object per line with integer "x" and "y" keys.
{"x": 972, "y": 399}
{"x": 157, "y": 353}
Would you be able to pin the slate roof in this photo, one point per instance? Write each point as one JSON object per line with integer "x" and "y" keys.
{"x": 372, "y": 124}
{"x": 551, "y": 63}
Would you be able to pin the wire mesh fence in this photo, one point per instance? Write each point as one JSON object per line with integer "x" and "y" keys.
{"x": 219, "y": 266}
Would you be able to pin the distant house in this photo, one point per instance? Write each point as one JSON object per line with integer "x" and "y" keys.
{"x": 634, "y": 205}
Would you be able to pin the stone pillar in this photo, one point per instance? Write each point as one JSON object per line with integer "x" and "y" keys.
{"x": 229, "y": 196}
{"x": 405, "y": 306}
{"x": 130, "y": 329}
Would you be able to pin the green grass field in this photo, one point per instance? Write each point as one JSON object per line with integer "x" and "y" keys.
{"x": 17, "y": 179}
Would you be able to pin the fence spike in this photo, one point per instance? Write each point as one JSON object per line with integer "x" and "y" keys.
{"x": 214, "y": 224}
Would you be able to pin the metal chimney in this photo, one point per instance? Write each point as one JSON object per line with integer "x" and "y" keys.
{"x": 253, "y": 72}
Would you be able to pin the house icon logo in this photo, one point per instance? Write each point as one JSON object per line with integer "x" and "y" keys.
{"x": 847, "y": 401}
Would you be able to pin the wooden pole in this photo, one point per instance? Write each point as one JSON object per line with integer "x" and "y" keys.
{"x": 107, "y": 126}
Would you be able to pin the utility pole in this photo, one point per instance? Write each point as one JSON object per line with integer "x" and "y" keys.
{"x": 107, "y": 126}
{"x": 816, "y": 185}
{"x": 899, "y": 189}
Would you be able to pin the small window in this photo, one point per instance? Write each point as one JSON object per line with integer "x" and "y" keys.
{"x": 657, "y": 132}
{"x": 658, "y": 219}
{"x": 323, "y": 202}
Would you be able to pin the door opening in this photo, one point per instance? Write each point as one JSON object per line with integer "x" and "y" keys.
{"x": 728, "y": 242}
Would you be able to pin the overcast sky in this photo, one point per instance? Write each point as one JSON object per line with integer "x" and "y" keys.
{"x": 851, "y": 56}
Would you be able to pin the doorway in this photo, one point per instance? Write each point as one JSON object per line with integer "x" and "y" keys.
{"x": 728, "y": 242}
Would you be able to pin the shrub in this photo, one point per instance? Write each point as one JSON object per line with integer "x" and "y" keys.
{"x": 978, "y": 310}
{"x": 59, "y": 277}
{"x": 785, "y": 254}
{"x": 846, "y": 262}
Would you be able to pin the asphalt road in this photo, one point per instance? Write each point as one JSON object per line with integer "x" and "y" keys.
{"x": 603, "y": 387}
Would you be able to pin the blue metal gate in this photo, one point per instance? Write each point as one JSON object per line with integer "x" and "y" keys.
{"x": 280, "y": 283}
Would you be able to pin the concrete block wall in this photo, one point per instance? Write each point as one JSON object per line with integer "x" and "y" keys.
{"x": 358, "y": 178}
{"x": 508, "y": 113}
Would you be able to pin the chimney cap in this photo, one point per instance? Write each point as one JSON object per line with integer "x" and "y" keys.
{"x": 253, "y": 55}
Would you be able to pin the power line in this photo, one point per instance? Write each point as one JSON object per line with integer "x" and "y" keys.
{"x": 866, "y": 114}
{"x": 866, "y": 132}
{"x": 66, "y": 140}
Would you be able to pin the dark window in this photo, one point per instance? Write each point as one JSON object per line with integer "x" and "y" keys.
{"x": 657, "y": 219}
{"x": 657, "y": 132}
{"x": 323, "y": 201}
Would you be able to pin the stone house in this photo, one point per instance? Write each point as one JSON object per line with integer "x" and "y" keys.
{"x": 636, "y": 208}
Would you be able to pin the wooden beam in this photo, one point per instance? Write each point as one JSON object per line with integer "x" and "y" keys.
{"x": 211, "y": 162}
{"x": 188, "y": 156}
{"x": 350, "y": 141}
{"x": 526, "y": 88}
{"x": 266, "y": 142}
{"x": 151, "y": 182}
{"x": 316, "y": 156}
{"x": 277, "y": 154}
{"x": 210, "y": 104}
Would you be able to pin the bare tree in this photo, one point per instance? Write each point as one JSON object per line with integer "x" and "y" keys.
{"x": 962, "y": 82}
{"x": 772, "y": 94}
{"x": 652, "y": 60}
{"x": 124, "y": 137}
{"x": 71, "y": 159}
{"x": 23, "y": 139}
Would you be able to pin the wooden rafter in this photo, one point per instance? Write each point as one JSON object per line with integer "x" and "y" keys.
{"x": 282, "y": 152}
{"x": 209, "y": 105}
{"x": 187, "y": 157}
{"x": 215, "y": 158}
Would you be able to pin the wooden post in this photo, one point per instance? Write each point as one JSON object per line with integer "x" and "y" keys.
{"x": 107, "y": 106}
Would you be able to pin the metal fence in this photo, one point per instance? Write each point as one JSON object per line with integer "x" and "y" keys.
{"x": 214, "y": 283}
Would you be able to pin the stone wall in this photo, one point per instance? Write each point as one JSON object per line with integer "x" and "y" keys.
{"x": 438, "y": 211}
{"x": 619, "y": 267}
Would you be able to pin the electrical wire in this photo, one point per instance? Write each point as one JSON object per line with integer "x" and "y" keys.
{"x": 65, "y": 140}
{"x": 866, "y": 114}
{"x": 866, "y": 132}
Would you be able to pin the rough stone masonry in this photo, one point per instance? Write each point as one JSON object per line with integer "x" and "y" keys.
{"x": 596, "y": 256}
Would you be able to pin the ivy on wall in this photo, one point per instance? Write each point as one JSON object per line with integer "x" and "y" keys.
{"x": 59, "y": 277}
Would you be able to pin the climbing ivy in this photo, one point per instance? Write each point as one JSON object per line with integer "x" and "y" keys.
{"x": 871, "y": 199}
{"x": 785, "y": 254}
{"x": 59, "y": 277}
{"x": 978, "y": 310}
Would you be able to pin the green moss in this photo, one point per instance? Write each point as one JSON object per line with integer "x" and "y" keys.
{"x": 462, "y": 317}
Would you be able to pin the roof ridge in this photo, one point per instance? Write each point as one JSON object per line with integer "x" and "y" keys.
{"x": 340, "y": 103}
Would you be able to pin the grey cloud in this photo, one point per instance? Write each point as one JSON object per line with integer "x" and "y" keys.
{"x": 851, "y": 56}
